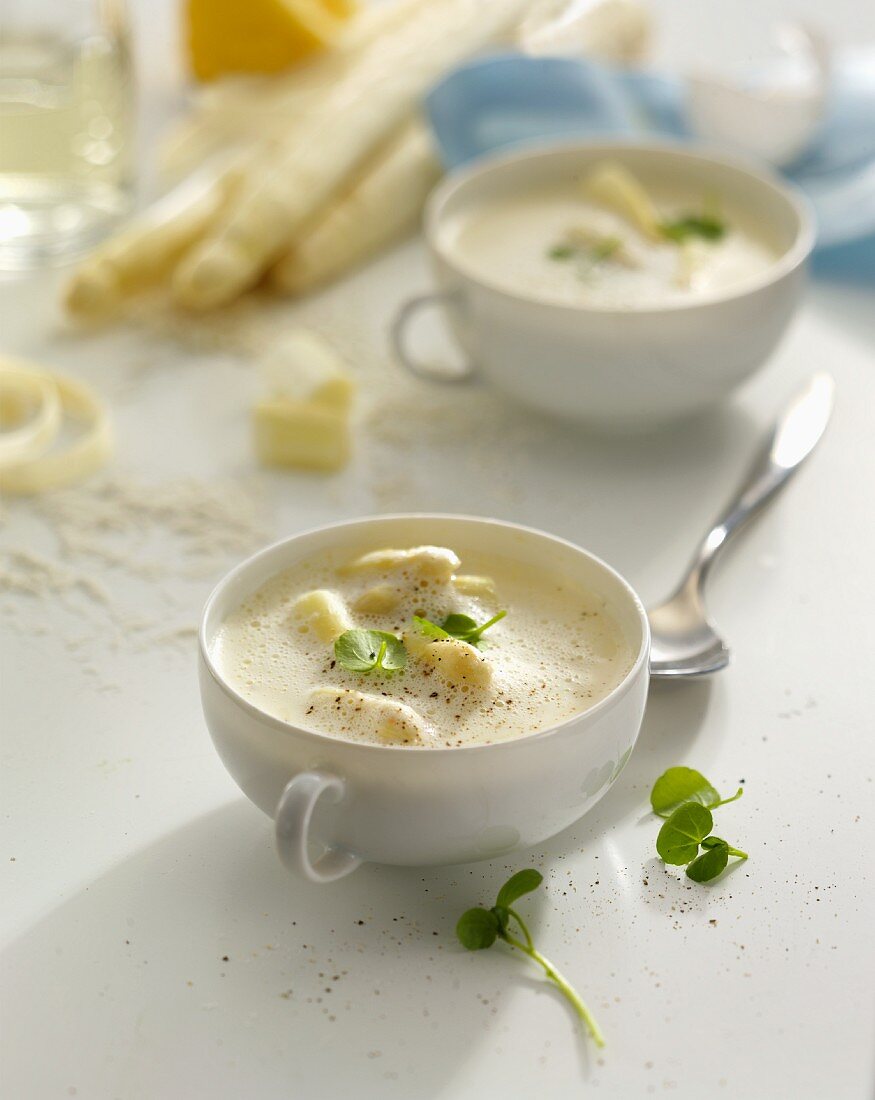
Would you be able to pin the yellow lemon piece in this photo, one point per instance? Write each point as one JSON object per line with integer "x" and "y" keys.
{"x": 259, "y": 36}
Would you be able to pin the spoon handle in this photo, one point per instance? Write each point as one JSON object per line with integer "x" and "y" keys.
{"x": 795, "y": 435}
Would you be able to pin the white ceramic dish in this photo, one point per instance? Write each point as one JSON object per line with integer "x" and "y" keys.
{"x": 337, "y": 803}
{"x": 623, "y": 366}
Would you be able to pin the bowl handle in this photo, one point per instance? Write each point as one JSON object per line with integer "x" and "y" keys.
{"x": 294, "y": 813}
{"x": 398, "y": 337}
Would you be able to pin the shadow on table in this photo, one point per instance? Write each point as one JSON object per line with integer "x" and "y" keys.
{"x": 674, "y": 731}
{"x": 198, "y": 959}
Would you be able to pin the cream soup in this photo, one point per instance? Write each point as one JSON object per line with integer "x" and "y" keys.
{"x": 554, "y": 243}
{"x": 556, "y": 652}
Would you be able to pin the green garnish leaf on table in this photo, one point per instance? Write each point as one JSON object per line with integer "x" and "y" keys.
{"x": 712, "y": 860}
{"x": 706, "y": 227}
{"x": 479, "y": 928}
{"x": 686, "y": 798}
{"x": 367, "y": 650}
{"x": 561, "y": 252}
{"x": 679, "y": 838}
{"x": 678, "y": 785}
{"x": 461, "y": 627}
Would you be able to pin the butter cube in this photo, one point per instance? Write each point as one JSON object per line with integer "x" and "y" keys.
{"x": 303, "y": 366}
{"x": 301, "y": 434}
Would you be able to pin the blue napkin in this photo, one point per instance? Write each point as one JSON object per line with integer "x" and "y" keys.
{"x": 510, "y": 99}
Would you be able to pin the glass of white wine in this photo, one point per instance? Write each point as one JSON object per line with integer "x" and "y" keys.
{"x": 66, "y": 122}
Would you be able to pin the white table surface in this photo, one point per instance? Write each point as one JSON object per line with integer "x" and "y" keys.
{"x": 133, "y": 866}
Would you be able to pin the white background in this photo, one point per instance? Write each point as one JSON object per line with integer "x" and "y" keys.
{"x": 132, "y": 864}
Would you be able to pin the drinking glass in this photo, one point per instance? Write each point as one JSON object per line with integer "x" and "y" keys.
{"x": 66, "y": 120}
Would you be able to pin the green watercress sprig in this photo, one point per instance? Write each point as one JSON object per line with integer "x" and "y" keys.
{"x": 685, "y": 798}
{"x": 479, "y": 928}
{"x": 462, "y": 627}
{"x": 369, "y": 650}
{"x": 706, "y": 227}
{"x": 586, "y": 255}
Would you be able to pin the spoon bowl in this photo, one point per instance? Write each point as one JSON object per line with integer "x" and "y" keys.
{"x": 685, "y": 642}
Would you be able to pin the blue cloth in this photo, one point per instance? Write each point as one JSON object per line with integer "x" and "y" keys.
{"x": 509, "y": 100}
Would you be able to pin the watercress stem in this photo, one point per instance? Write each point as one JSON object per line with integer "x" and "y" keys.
{"x": 568, "y": 991}
{"x": 737, "y": 852}
{"x": 523, "y": 928}
{"x": 726, "y": 801}
{"x": 495, "y": 619}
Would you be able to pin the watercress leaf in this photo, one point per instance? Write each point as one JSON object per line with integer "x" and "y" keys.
{"x": 705, "y": 226}
{"x": 679, "y": 785}
{"x": 466, "y": 629}
{"x": 710, "y": 863}
{"x": 523, "y": 882}
{"x": 605, "y": 248}
{"x": 428, "y": 628}
{"x": 502, "y": 916}
{"x": 560, "y": 252}
{"x": 357, "y": 650}
{"x": 395, "y": 655}
{"x": 365, "y": 650}
{"x": 712, "y": 842}
{"x": 459, "y": 626}
{"x": 679, "y": 838}
{"x": 477, "y": 928}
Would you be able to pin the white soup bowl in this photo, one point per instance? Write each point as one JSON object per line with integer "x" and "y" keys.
{"x": 612, "y": 366}
{"x": 337, "y": 803}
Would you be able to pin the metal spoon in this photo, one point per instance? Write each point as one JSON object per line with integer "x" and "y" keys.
{"x": 684, "y": 641}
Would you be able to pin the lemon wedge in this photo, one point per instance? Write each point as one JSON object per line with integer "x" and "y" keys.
{"x": 259, "y": 36}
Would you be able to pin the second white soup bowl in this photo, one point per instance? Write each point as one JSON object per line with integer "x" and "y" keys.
{"x": 338, "y": 803}
{"x": 613, "y": 366}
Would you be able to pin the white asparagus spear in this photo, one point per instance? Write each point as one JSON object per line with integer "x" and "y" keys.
{"x": 354, "y": 119}
{"x": 246, "y": 112}
{"x": 383, "y": 206}
{"x": 148, "y": 247}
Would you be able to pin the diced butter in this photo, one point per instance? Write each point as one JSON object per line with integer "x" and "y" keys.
{"x": 323, "y": 612}
{"x": 302, "y": 434}
{"x": 303, "y": 366}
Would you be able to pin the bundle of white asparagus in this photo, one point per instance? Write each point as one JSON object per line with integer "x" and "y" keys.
{"x": 298, "y": 178}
